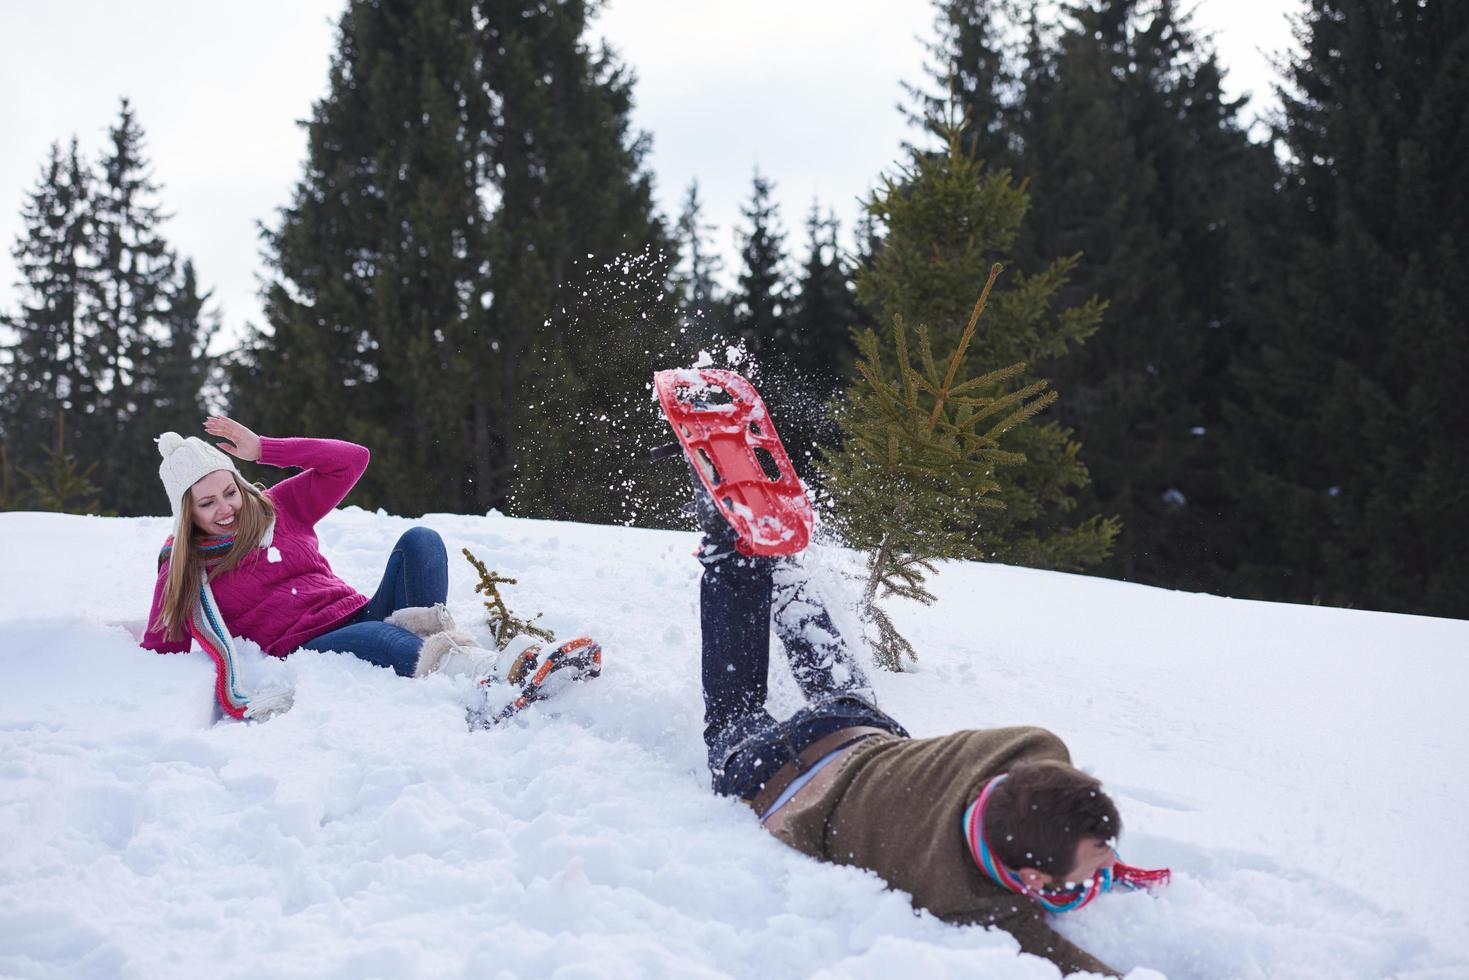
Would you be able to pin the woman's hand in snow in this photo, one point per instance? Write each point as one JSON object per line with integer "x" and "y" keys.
{"x": 239, "y": 441}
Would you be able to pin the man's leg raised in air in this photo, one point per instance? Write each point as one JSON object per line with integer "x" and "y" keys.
{"x": 734, "y": 611}
{"x": 820, "y": 659}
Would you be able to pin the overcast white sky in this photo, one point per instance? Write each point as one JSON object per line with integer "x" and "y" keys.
{"x": 807, "y": 90}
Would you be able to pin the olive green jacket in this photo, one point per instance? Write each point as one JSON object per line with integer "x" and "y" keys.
{"x": 897, "y": 807}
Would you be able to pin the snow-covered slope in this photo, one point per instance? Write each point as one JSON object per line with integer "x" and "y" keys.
{"x": 1301, "y": 769}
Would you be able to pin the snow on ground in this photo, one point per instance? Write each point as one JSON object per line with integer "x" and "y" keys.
{"x": 1301, "y": 769}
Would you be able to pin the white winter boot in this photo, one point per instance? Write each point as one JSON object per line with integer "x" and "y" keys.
{"x": 424, "y": 621}
{"x": 446, "y": 649}
{"x": 454, "y": 655}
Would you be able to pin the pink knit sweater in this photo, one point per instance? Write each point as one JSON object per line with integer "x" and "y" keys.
{"x": 286, "y": 594}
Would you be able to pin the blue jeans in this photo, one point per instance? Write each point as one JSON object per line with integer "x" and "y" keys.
{"x": 417, "y": 575}
{"x": 749, "y": 762}
{"x": 736, "y": 594}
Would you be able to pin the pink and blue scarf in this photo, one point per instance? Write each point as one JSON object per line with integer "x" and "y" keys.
{"x": 235, "y": 698}
{"x": 1067, "y": 900}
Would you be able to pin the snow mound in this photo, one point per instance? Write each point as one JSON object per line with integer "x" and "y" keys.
{"x": 1298, "y": 768}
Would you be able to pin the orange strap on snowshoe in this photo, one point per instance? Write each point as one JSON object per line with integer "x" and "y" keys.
{"x": 722, "y": 424}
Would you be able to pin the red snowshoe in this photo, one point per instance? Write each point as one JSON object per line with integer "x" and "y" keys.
{"x": 722, "y": 425}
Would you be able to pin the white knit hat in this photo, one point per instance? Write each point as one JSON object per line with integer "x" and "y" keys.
{"x": 185, "y": 463}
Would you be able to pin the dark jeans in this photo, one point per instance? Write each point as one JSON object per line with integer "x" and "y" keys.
{"x": 747, "y": 745}
{"x": 748, "y": 764}
{"x": 417, "y": 575}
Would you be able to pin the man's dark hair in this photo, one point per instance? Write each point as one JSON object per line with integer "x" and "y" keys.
{"x": 1038, "y": 815}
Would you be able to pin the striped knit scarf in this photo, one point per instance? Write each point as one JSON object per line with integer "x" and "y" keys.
{"x": 235, "y": 696}
{"x": 1052, "y": 901}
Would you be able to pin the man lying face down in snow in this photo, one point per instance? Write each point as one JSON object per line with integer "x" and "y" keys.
{"x": 993, "y": 828}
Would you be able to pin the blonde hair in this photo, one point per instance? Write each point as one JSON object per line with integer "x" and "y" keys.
{"x": 186, "y": 565}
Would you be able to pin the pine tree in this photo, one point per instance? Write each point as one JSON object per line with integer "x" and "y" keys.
{"x": 704, "y": 311}
{"x": 11, "y": 497}
{"x": 579, "y": 273}
{"x": 823, "y": 313}
{"x": 973, "y": 66}
{"x": 130, "y": 286}
{"x": 170, "y": 383}
{"x": 61, "y": 484}
{"x": 868, "y": 237}
{"x": 763, "y": 295}
{"x": 947, "y": 222}
{"x": 785, "y": 334}
{"x": 42, "y": 373}
{"x": 376, "y": 307}
{"x": 1350, "y": 431}
{"x": 1141, "y": 170}
{"x": 470, "y": 173}
{"x": 108, "y": 333}
{"x": 585, "y": 455}
{"x": 822, "y": 309}
{"x": 1098, "y": 188}
{"x": 920, "y": 456}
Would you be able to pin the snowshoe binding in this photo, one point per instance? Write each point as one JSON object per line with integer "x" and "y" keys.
{"x": 571, "y": 662}
{"x": 726, "y": 433}
{"x": 520, "y": 665}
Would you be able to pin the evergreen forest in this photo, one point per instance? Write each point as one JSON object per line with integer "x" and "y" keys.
{"x": 1251, "y": 335}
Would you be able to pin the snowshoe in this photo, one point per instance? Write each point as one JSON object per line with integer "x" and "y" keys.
{"x": 726, "y": 433}
{"x": 575, "y": 660}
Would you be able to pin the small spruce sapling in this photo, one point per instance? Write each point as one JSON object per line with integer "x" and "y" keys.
{"x": 504, "y": 625}
{"x": 10, "y": 497}
{"x": 947, "y": 219}
{"x": 917, "y": 464}
{"x": 63, "y": 486}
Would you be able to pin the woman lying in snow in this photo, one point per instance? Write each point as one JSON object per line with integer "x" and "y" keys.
{"x": 250, "y": 566}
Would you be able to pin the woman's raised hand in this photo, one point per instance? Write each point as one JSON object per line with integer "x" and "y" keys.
{"x": 239, "y": 441}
